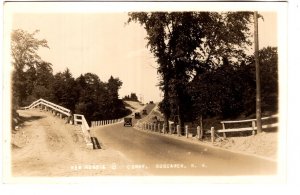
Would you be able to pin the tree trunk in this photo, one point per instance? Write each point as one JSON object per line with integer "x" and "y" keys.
{"x": 180, "y": 119}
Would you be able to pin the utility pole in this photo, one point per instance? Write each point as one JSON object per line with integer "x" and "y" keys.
{"x": 257, "y": 68}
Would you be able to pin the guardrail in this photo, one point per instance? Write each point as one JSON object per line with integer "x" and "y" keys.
{"x": 197, "y": 132}
{"x": 253, "y": 127}
{"x": 160, "y": 127}
{"x": 105, "y": 122}
{"x": 51, "y": 105}
{"x": 79, "y": 119}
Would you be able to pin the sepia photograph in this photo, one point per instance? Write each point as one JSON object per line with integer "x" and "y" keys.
{"x": 125, "y": 89}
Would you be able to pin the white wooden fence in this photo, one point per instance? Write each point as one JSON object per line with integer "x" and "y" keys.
{"x": 79, "y": 119}
{"x": 253, "y": 127}
{"x": 105, "y": 122}
{"x": 161, "y": 128}
{"x": 41, "y": 102}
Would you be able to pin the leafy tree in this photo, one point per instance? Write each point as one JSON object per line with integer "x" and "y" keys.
{"x": 187, "y": 44}
{"x": 113, "y": 86}
{"x": 24, "y": 47}
{"x": 33, "y": 78}
{"x": 131, "y": 97}
{"x": 64, "y": 90}
{"x": 229, "y": 91}
{"x": 99, "y": 100}
{"x": 268, "y": 60}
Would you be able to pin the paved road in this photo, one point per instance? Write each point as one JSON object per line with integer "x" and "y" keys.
{"x": 162, "y": 155}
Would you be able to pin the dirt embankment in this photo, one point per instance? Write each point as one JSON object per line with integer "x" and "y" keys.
{"x": 264, "y": 144}
{"x": 46, "y": 146}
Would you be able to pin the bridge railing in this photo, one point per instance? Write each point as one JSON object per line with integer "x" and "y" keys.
{"x": 79, "y": 119}
{"x": 51, "y": 105}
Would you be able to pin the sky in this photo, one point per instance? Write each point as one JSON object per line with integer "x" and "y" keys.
{"x": 101, "y": 43}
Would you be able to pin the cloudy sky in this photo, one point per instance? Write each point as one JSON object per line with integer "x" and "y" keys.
{"x": 101, "y": 43}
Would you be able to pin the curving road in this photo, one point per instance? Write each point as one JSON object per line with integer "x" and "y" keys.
{"x": 162, "y": 155}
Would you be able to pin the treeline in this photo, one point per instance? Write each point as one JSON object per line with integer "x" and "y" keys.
{"x": 229, "y": 91}
{"x": 203, "y": 65}
{"x": 131, "y": 97}
{"x": 33, "y": 78}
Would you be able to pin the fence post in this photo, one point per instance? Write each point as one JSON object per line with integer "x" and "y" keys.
{"x": 224, "y": 134}
{"x": 212, "y": 133}
{"x": 201, "y": 132}
{"x": 158, "y": 127}
{"x": 187, "y": 131}
{"x": 178, "y": 130}
{"x": 198, "y": 132}
{"x": 253, "y": 127}
{"x": 164, "y": 128}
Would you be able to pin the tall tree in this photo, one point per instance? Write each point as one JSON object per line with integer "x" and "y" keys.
{"x": 43, "y": 81}
{"x": 113, "y": 86}
{"x": 187, "y": 44}
{"x": 24, "y": 47}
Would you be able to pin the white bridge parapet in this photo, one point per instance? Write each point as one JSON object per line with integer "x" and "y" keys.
{"x": 79, "y": 119}
{"x": 51, "y": 105}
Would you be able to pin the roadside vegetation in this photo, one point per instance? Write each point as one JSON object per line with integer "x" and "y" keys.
{"x": 33, "y": 78}
{"x": 205, "y": 68}
{"x": 131, "y": 97}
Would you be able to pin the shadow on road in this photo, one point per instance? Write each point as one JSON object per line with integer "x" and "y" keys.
{"x": 96, "y": 144}
{"x": 31, "y": 118}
